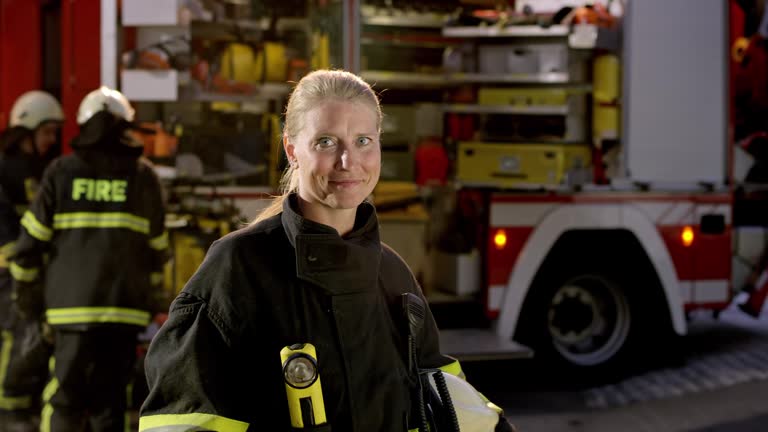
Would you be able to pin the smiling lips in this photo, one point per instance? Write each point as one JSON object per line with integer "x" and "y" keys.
{"x": 344, "y": 184}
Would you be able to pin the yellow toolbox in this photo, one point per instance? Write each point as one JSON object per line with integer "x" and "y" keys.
{"x": 510, "y": 165}
{"x": 522, "y": 96}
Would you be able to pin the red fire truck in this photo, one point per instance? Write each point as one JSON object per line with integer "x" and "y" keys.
{"x": 583, "y": 275}
{"x": 583, "y": 272}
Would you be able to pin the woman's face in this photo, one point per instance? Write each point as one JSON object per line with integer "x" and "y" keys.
{"x": 337, "y": 153}
{"x": 46, "y": 136}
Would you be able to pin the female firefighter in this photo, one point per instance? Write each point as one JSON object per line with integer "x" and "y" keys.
{"x": 309, "y": 281}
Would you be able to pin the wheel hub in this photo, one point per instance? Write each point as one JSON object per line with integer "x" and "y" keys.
{"x": 572, "y": 314}
{"x": 588, "y": 320}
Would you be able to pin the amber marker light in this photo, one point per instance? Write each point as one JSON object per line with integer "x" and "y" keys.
{"x": 500, "y": 239}
{"x": 687, "y": 236}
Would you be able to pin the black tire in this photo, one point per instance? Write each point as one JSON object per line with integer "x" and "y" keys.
{"x": 585, "y": 324}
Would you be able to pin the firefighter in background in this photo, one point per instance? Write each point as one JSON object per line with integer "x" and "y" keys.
{"x": 28, "y": 144}
{"x": 99, "y": 212}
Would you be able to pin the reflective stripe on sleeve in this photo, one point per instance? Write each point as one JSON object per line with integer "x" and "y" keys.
{"x": 160, "y": 242}
{"x": 35, "y": 228}
{"x": 24, "y": 274}
{"x": 86, "y": 315}
{"x": 189, "y": 422}
{"x": 76, "y": 220}
{"x": 454, "y": 369}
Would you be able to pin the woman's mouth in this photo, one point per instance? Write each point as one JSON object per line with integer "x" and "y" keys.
{"x": 344, "y": 184}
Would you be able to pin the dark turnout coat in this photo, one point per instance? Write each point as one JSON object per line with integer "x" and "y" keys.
{"x": 94, "y": 236}
{"x": 215, "y": 364}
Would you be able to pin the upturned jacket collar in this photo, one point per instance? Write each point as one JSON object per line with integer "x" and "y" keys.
{"x": 338, "y": 265}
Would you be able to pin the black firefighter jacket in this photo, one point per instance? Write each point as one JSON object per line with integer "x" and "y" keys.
{"x": 19, "y": 178}
{"x": 215, "y": 364}
{"x": 99, "y": 218}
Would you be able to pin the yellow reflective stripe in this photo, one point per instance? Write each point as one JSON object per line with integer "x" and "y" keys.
{"x": 24, "y": 274}
{"x": 84, "y": 315}
{"x": 35, "y": 228}
{"x": 160, "y": 242}
{"x": 6, "y": 251}
{"x": 100, "y": 220}
{"x": 491, "y": 405}
{"x": 50, "y": 389}
{"x": 454, "y": 369}
{"x": 198, "y": 420}
{"x": 6, "y": 402}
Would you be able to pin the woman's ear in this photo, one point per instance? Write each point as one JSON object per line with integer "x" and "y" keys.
{"x": 289, "y": 150}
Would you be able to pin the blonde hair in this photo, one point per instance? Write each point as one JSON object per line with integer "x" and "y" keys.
{"x": 315, "y": 88}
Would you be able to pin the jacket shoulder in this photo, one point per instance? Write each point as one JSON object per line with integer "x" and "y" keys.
{"x": 392, "y": 260}
{"x": 232, "y": 257}
{"x": 62, "y": 167}
{"x": 399, "y": 276}
{"x": 231, "y": 270}
{"x": 253, "y": 237}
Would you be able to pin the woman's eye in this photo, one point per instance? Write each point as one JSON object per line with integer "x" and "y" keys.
{"x": 362, "y": 141}
{"x": 325, "y": 142}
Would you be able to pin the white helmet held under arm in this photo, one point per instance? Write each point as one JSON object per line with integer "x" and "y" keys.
{"x": 102, "y": 99}
{"x": 473, "y": 412}
{"x": 34, "y": 108}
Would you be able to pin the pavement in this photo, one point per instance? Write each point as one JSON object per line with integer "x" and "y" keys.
{"x": 721, "y": 385}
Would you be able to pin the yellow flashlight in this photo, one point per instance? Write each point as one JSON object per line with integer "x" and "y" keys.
{"x": 302, "y": 385}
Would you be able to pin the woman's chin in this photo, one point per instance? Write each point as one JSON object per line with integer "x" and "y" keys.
{"x": 346, "y": 199}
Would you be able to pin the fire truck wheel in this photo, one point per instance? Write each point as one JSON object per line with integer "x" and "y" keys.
{"x": 586, "y": 325}
{"x": 588, "y": 320}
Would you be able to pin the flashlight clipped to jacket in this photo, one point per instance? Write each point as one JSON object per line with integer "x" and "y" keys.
{"x": 302, "y": 386}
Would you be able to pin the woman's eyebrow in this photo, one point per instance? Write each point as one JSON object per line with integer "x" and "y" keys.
{"x": 330, "y": 134}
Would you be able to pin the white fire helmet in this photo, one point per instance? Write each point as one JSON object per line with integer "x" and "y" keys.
{"x": 34, "y": 108}
{"x": 472, "y": 411}
{"x": 101, "y": 99}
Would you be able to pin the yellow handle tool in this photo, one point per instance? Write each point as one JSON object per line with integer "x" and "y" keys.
{"x": 302, "y": 385}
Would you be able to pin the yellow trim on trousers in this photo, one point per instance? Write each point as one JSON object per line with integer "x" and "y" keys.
{"x": 7, "y": 402}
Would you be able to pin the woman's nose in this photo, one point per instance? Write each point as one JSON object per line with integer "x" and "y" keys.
{"x": 346, "y": 158}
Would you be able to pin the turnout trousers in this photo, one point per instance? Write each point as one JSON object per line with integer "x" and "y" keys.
{"x": 92, "y": 371}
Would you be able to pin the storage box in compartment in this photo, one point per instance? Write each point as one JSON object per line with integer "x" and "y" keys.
{"x": 397, "y": 165}
{"x": 407, "y": 235}
{"x": 398, "y": 126}
{"x": 522, "y": 59}
{"x": 510, "y": 165}
{"x": 457, "y": 274}
{"x": 150, "y": 12}
{"x": 522, "y": 96}
{"x": 154, "y": 86}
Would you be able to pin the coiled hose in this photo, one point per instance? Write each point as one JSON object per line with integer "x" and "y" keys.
{"x": 445, "y": 397}
{"x": 423, "y": 424}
